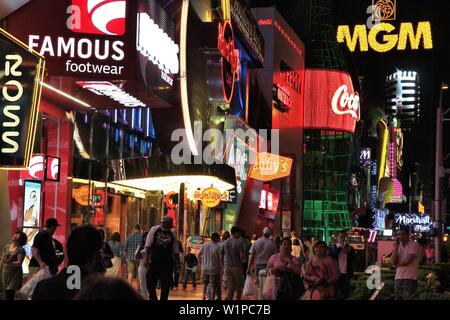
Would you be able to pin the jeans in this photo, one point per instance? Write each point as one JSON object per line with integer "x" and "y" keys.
{"x": 405, "y": 289}
{"x": 186, "y": 276}
{"x": 163, "y": 273}
{"x": 258, "y": 268}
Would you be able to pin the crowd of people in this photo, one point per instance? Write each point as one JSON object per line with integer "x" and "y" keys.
{"x": 303, "y": 269}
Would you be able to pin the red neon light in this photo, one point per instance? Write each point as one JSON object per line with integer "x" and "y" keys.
{"x": 288, "y": 38}
{"x": 230, "y": 55}
{"x": 265, "y": 22}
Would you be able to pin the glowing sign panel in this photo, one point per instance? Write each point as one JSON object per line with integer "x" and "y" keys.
{"x": 104, "y": 88}
{"x": 270, "y": 166}
{"x": 230, "y": 59}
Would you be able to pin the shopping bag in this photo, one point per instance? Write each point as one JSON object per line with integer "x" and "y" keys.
{"x": 249, "y": 287}
{"x": 28, "y": 288}
{"x": 270, "y": 287}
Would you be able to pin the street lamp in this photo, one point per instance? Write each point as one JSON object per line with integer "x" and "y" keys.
{"x": 439, "y": 173}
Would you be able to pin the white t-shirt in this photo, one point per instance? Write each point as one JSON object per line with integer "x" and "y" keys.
{"x": 409, "y": 271}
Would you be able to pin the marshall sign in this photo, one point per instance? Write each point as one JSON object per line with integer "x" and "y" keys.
{"x": 418, "y": 222}
{"x": 21, "y": 73}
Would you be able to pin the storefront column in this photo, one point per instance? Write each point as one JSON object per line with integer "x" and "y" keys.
{"x": 5, "y": 217}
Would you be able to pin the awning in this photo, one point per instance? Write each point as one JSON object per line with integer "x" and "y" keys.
{"x": 159, "y": 173}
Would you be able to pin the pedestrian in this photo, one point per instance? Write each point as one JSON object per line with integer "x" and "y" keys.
{"x": 260, "y": 253}
{"x": 107, "y": 288}
{"x": 225, "y": 235}
{"x": 293, "y": 235}
{"x": 429, "y": 254}
{"x": 405, "y": 258}
{"x": 247, "y": 246}
{"x": 117, "y": 250}
{"x": 131, "y": 244}
{"x": 232, "y": 256}
{"x": 322, "y": 270}
{"x": 142, "y": 270}
{"x": 160, "y": 245}
{"x": 343, "y": 254}
{"x": 177, "y": 266}
{"x": 107, "y": 253}
{"x": 210, "y": 261}
{"x": 43, "y": 250}
{"x": 254, "y": 238}
{"x": 11, "y": 265}
{"x": 190, "y": 262}
{"x": 287, "y": 269}
{"x": 310, "y": 246}
{"x": 296, "y": 248}
{"x": 84, "y": 247}
{"x": 277, "y": 241}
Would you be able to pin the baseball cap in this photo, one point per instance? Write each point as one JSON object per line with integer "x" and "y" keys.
{"x": 52, "y": 222}
{"x": 267, "y": 231}
{"x": 166, "y": 219}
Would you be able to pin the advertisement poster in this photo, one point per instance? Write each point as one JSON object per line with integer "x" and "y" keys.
{"x": 286, "y": 220}
{"x": 31, "y": 216}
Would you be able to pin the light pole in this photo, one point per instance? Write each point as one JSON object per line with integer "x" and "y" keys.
{"x": 439, "y": 173}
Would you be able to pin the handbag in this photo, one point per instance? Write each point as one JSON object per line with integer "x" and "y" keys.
{"x": 28, "y": 288}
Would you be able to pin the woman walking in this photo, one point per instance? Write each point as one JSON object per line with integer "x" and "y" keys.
{"x": 142, "y": 270}
{"x": 11, "y": 265}
{"x": 287, "y": 269}
{"x": 117, "y": 250}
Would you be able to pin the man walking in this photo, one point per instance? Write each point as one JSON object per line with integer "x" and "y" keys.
{"x": 232, "y": 252}
{"x": 260, "y": 253}
{"x": 160, "y": 249}
{"x": 210, "y": 259}
{"x": 405, "y": 258}
{"x": 43, "y": 250}
{"x": 344, "y": 255}
{"x": 131, "y": 245}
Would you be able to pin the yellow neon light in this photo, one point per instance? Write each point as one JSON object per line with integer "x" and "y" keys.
{"x": 226, "y": 9}
{"x": 406, "y": 34}
{"x": 36, "y": 98}
{"x": 84, "y": 104}
{"x": 183, "y": 78}
{"x": 383, "y": 153}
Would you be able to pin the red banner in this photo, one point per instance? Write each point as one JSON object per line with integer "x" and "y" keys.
{"x": 330, "y": 101}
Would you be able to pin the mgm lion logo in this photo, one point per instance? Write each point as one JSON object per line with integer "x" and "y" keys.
{"x": 384, "y": 10}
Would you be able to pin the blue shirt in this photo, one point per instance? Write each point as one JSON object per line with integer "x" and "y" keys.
{"x": 131, "y": 244}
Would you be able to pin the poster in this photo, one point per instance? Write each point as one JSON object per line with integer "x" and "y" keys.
{"x": 286, "y": 220}
{"x": 32, "y": 205}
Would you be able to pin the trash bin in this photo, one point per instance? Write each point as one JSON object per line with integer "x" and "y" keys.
{"x": 262, "y": 280}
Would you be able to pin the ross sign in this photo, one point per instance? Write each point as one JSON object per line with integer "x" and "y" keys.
{"x": 269, "y": 166}
{"x": 21, "y": 73}
{"x": 418, "y": 222}
{"x": 157, "y": 46}
{"x": 105, "y": 88}
{"x": 248, "y": 27}
{"x": 390, "y": 40}
{"x": 344, "y": 103}
{"x": 211, "y": 197}
{"x": 230, "y": 59}
{"x": 330, "y": 101}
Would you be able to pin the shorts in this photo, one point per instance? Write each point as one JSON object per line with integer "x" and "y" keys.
{"x": 132, "y": 267}
{"x": 213, "y": 279}
{"x": 233, "y": 277}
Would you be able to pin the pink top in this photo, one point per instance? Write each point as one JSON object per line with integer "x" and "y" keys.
{"x": 324, "y": 268}
{"x": 409, "y": 271}
{"x": 277, "y": 261}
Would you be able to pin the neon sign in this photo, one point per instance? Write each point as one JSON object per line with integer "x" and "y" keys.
{"x": 291, "y": 77}
{"x": 157, "y": 46}
{"x": 419, "y": 223}
{"x": 269, "y": 166}
{"x": 348, "y": 103}
{"x": 390, "y": 41}
{"x": 104, "y": 88}
{"x": 230, "y": 59}
{"x": 281, "y": 98}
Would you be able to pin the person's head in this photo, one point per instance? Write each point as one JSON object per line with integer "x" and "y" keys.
{"x": 106, "y": 288}
{"x": 102, "y": 233}
{"x": 167, "y": 222}
{"x": 83, "y": 248}
{"x": 403, "y": 235}
{"x": 33, "y": 198}
{"x": 20, "y": 238}
{"x": 226, "y": 235}
{"x": 51, "y": 224}
{"x": 254, "y": 237}
{"x": 286, "y": 246}
{"x": 293, "y": 234}
{"x": 144, "y": 238}
{"x": 137, "y": 228}
{"x": 296, "y": 242}
{"x": 342, "y": 236}
{"x": 115, "y": 237}
{"x": 267, "y": 232}
{"x": 320, "y": 248}
{"x": 236, "y": 232}
{"x": 215, "y": 237}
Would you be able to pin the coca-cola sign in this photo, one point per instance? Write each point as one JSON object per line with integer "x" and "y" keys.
{"x": 344, "y": 102}
{"x": 331, "y": 102}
